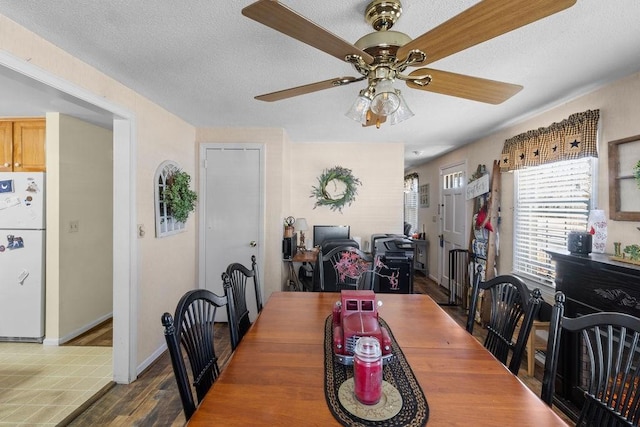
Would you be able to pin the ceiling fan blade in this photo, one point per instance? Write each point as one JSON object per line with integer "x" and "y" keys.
{"x": 281, "y": 18}
{"x": 481, "y": 22}
{"x": 462, "y": 86}
{"x": 313, "y": 87}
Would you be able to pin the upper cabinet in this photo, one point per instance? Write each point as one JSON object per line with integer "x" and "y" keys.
{"x": 22, "y": 145}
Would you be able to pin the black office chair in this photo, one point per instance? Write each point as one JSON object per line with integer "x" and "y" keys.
{"x": 235, "y": 287}
{"x": 191, "y": 330}
{"x": 610, "y": 347}
{"x": 512, "y": 305}
{"x": 346, "y": 267}
{"x": 325, "y": 247}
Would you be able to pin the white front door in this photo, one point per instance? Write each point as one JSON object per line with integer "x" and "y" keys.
{"x": 452, "y": 216}
{"x": 231, "y": 212}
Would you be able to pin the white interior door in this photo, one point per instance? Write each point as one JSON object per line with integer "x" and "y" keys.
{"x": 233, "y": 211}
{"x": 452, "y": 216}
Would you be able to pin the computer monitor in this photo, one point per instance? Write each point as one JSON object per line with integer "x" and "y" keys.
{"x": 323, "y": 233}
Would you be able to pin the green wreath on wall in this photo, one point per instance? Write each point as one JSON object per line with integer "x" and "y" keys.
{"x": 337, "y": 188}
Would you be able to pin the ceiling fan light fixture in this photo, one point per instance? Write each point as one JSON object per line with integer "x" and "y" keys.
{"x": 386, "y": 100}
{"x": 402, "y": 113}
{"x": 360, "y": 107}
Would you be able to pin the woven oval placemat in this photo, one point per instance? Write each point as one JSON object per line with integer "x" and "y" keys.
{"x": 398, "y": 373}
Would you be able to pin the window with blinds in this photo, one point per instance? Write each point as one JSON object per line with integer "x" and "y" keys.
{"x": 411, "y": 201}
{"x": 550, "y": 201}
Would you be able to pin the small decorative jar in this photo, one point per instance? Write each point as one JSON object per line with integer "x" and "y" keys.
{"x": 367, "y": 371}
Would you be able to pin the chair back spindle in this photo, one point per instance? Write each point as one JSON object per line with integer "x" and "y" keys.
{"x": 513, "y": 306}
{"x": 190, "y": 333}
{"x": 235, "y": 280}
{"x": 610, "y": 343}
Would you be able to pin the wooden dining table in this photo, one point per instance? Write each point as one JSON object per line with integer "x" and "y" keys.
{"x": 275, "y": 377}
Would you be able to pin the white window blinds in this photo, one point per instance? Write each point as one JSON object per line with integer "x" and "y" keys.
{"x": 550, "y": 201}
{"x": 411, "y": 201}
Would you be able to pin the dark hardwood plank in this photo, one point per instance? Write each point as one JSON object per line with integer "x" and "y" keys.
{"x": 99, "y": 336}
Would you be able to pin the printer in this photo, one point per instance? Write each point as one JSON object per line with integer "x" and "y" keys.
{"x": 396, "y": 253}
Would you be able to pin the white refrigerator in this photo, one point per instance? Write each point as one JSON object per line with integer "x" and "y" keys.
{"x": 22, "y": 256}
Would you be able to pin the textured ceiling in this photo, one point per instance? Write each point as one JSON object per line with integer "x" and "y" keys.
{"x": 204, "y": 61}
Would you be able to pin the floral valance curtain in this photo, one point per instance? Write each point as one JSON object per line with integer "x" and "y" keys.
{"x": 572, "y": 138}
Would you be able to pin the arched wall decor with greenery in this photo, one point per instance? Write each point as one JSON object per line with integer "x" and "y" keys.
{"x": 174, "y": 200}
{"x": 337, "y": 188}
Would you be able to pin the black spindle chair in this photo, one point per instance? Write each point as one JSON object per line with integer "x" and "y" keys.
{"x": 235, "y": 280}
{"x": 191, "y": 331}
{"x": 610, "y": 344}
{"x": 512, "y": 306}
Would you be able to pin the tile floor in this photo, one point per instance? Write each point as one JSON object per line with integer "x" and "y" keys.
{"x": 42, "y": 385}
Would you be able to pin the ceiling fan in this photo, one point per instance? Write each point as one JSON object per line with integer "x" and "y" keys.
{"x": 381, "y": 57}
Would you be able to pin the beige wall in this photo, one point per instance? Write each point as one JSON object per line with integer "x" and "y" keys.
{"x": 619, "y": 112}
{"x": 166, "y": 267}
{"x": 83, "y": 191}
{"x": 379, "y": 204}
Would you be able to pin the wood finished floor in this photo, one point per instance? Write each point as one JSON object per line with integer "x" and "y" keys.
{"x": 100, "y": 336}
{"x": 153, "y": 400}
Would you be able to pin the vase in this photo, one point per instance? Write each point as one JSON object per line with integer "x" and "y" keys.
{"x": 597, "y": 227}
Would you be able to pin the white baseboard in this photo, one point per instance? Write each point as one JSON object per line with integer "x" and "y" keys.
{"x": 152, "y": 358}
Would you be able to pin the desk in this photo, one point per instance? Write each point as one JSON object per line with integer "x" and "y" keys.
{"x": 310, "y": 256}
{"x": 276, "y": 375}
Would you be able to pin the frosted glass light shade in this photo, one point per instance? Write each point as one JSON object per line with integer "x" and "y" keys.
{"x": 358, "y": 110}
{"x": 386, "y": 101}
{"x": 402, "y": 113}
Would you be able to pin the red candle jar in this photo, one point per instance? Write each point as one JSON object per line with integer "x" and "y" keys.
{"x": 367, "y": 371}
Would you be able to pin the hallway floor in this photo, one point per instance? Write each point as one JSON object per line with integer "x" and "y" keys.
{"x": 47, "y": 385}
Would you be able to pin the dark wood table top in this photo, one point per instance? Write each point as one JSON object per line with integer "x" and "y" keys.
{"x": 276, "y": 375}
{"x": 310, "y": 255}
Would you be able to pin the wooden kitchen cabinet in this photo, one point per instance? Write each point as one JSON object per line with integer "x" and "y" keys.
{"x": 6, "y": 146}
{"x": 22, "y": 145}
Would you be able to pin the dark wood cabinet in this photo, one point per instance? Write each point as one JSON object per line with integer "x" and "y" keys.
{"x": 596, "y": 283}
{"x": 591, "y": 283}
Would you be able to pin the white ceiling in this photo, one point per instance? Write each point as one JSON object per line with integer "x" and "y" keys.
{"x": 204, "y": 61}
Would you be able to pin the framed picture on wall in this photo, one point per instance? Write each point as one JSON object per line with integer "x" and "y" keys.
{"x": 424, "y": 195}
{"x": 624, "y": 179}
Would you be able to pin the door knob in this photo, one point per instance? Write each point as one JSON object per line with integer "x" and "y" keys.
{"x": 253, "y": 243}
{"x": 6, "y": 165}
{"x": 17, "y": 165}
